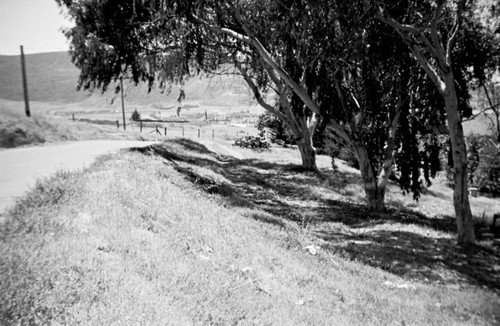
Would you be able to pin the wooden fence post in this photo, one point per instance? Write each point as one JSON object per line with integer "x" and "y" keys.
{"x": 141, "y": 127}
{"x": 182, "y": 131}
{"x": 165, "y": 131}
{"x": 118, "y": 124}
{"x": 198, "y": 132}
{"x": 212, "y": 134}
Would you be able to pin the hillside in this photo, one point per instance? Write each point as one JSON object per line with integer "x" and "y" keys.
{"x": 185, "y": 233}
{"x": 52, "y": 78}
{"x": 18, "y": 130}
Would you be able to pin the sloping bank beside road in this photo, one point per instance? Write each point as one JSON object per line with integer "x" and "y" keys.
{"x": 131, "y": 241}
{"x": 20, "y": 167}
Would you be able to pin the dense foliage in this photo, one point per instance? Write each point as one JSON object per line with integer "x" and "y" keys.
{"x": 281, "y": 130}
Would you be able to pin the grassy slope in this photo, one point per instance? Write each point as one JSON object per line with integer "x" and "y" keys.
{"x": 17, "y": 130}
{"x": 181, "y": 235}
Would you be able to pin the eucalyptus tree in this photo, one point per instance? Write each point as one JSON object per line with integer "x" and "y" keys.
{"x": 163, "y": 42}
{"x": 286, "y": 106}
{"x": 327, "y": 60}
{"x": 319, "y": 57}
{"x": 431, "y": 30}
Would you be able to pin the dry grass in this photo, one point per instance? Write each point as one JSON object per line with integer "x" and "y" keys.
{"x": 43, "y": 127}
{"x": 134, "y": 241}
{"x": 330, "y": 205}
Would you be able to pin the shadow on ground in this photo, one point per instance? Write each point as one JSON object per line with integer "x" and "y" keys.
{"x": 315, "y": 202}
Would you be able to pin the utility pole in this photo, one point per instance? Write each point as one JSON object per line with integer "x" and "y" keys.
{"x": 25, "y": 84}
{"x": 123, "y": 103}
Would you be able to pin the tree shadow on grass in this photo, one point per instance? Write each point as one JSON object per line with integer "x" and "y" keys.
{"x": 417, "y": 257}
{"x": 290, "y": 194}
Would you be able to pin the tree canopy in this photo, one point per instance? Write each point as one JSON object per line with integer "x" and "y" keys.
{"x": 348, "y": 64}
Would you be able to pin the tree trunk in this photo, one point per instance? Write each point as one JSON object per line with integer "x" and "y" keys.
{"x": 307, "y": 153}
{"x": 465, "y": 226}
{"x": 375, "y": 197}
{"x": 305, "y": 142}
{"x": 375, "y": 192}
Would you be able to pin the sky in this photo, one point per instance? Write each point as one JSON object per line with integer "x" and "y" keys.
{"x": 34, "y": 24}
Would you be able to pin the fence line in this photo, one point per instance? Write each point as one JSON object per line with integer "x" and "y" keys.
{"x": 227, "y": 132}
{"x": 192, "y": 129}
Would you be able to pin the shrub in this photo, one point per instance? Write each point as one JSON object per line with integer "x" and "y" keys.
{"x": 269, "y": 120}
{"x": 486, "y": 175}
{"x": 11, "y": 136}
{"x": 484, "y": 165}
{"x": 136, "y": 116}
{"x": 254, "y": 142}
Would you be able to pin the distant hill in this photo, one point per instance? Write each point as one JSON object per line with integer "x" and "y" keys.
{"x": 52, "y": 78}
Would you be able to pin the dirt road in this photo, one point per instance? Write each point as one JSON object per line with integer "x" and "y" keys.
{"x": 20, "y": 167}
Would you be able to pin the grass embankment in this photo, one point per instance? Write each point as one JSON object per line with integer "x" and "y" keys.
{"x": 177, "y": 234}
{"x": 42, "y": 127}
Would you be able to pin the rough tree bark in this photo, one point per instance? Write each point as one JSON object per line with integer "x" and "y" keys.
{"x": 464, "y": 219}
{"x": 305, "y": 143}
{"x": 375, "y": 193}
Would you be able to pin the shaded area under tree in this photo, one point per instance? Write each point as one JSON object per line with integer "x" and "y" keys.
{"x": 349, "y": 229}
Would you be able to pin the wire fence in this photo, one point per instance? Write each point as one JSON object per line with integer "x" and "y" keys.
{"x": 193, "y": 130}
{"x": 183, "y": 128}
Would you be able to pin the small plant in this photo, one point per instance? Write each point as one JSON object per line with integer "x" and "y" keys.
{"x": 254, "y": 142}
{"x": 136, "y": 116}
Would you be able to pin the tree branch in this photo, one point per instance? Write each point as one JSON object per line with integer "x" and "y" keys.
{"x": 454, "y": 31}
{"x": 267, "y": 58}
{"x": 431, "y": 72}
{"x": 386, "y": 170}
{"x": 439, "y": 55}
{"x": 405, "y": 31}
{"x": 258, "y": 95}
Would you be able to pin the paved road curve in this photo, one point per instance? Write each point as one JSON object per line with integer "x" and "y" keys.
{"x": 20, "y": 167}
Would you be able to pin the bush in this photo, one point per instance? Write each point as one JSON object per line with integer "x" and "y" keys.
{"x": 486, "y": 175}
{"x": 269, "y": 120}
{"x": 11, "y": 136}
{"x": 136, "y": 116}
{"x": 484, "y": 165}
{"x": 254, "y": 142}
